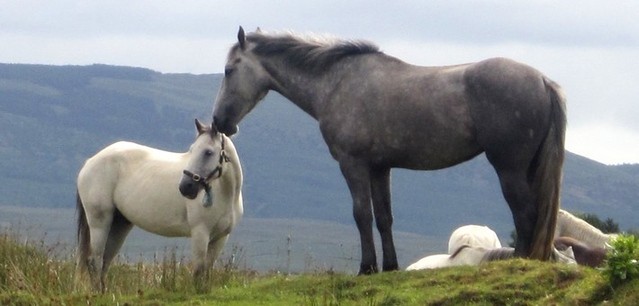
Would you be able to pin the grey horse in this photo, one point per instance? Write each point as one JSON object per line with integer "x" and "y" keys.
{"x": 376, "y": 112}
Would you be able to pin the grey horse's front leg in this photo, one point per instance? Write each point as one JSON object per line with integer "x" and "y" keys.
{"x": 358, "y": 179}
{"x": 381, "y": 195}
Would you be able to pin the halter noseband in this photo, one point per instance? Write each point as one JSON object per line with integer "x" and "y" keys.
{"x": 215, "y": 174}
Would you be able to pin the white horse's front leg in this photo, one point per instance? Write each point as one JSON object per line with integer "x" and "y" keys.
{"x": 199, "y": 250}
{"x": 215, "y": 248}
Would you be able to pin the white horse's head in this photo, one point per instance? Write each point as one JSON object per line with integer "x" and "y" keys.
{"x": 206, "y": 163}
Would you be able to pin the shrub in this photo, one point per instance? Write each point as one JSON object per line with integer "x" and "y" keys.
{"x": 622, "y": 263}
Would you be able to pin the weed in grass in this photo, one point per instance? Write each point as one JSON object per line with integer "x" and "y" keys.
{"x": 622, "y": 263}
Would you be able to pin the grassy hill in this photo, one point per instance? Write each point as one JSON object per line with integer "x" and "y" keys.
{"x": 31, "y": 276}
{"x": 54, "y": 117}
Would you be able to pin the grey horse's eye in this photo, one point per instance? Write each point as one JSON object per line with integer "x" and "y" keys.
{"x": 208, "y": 153}
{"x": 228, "y": 71}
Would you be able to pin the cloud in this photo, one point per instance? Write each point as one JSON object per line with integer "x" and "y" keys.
{"x": 604, "y": 143}
{"x": 589, "y": 47}
{"x": 544, "y": 22}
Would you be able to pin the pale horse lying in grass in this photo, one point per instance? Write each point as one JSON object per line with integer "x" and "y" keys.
{"x": 195, "y": 194}
{"x": 475, "y": 244}
{"x": 589, "y": 244}
{"x": 569, "y": 225}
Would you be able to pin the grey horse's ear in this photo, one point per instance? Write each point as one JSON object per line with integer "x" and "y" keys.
{"x": 201, "y": 129}
{"x": 241, "y": 38}
{"x": 258, "y": 30}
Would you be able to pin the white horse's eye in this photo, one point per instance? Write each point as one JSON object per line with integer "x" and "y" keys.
{"x": 208, "y": 152}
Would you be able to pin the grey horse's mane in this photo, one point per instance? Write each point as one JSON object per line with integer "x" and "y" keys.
{"x": 313, "y": 52}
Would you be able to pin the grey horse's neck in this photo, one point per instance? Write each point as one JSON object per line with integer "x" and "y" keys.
{"x": 308, "y": 91}
{"x": 303, "y": 69}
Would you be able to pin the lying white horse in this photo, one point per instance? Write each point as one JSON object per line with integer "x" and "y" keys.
{"x": 128, "y": 184}
{"x": 570, "y": 226}
{"x": 473, "y": 236}
{"x": 472, "y": 245}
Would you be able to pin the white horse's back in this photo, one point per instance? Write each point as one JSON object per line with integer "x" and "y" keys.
{"x": 431, "y": 262}
{"x": 140, "y": 182}
{"x": 466, "y": 246}
{"x": 473, "y": 235}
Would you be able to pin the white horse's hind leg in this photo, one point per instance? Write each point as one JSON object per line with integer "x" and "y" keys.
{"x": 99, "y": 228}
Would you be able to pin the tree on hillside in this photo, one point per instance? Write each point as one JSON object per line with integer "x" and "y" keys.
{"x": 607, "y": 226}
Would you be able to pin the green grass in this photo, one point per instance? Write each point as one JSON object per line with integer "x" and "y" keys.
{"x": 37, "y": 274}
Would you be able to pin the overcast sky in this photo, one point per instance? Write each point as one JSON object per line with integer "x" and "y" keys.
{"x": 591, "y": 48}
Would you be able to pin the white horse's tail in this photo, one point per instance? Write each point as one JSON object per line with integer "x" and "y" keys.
{"x": 83, "y": 237}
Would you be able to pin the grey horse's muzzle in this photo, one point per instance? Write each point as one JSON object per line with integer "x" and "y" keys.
{"x": 224, "y": 126}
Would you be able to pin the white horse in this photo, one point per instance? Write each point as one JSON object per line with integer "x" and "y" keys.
{"x": 128, "y": 184}
{"x": 474, "y": 236}
{"x": 570, "y": 226}
{"x": 472, "y": 245}
{"x": 467, "y": 236}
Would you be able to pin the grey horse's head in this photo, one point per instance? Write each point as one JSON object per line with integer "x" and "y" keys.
{"x": 245, "y": 83}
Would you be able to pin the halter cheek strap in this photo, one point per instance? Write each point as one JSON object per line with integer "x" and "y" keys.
{"x": 215, "y": 174}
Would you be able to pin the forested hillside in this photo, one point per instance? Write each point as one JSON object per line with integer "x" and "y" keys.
{"x": 54, "y": 117}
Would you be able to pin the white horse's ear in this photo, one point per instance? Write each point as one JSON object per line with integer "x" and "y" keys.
{"x": 199, "y": 127}
{"x": 258, "y": 30}
{"x": 241, "y": 38}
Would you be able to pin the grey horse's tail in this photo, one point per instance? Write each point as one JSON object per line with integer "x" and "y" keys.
{"x": 83, "y": 236}
{"x": 545, "y": 175}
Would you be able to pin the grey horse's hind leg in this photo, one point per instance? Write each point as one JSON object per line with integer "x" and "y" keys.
{"x": 357, "y": 177}
{"x": 521, "y": 200}
{"x": 381, "y": 195}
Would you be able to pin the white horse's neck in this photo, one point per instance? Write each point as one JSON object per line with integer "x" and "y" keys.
{"x": 228, "y": 187}
{"x": 571, "y": 226}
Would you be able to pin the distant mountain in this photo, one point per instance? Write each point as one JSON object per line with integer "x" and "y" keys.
{"x": 54, "y": 117}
